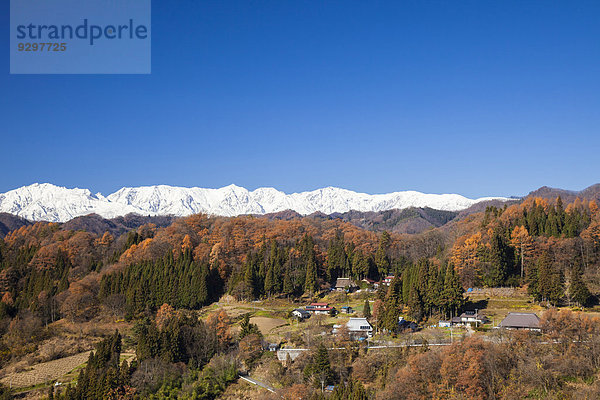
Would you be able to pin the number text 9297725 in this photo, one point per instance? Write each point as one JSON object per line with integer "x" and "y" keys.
{"x": 42, "y": 46}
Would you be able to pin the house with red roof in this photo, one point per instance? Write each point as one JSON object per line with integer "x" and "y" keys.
{"x": 319, "y": 308}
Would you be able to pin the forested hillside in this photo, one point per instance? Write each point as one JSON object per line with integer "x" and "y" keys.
{"x": 550, "y": 247}
{"x": 51, "y": 272}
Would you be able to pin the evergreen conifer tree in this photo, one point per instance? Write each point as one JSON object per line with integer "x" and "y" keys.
{"x": 288, "y": 285}
{"x": 453, "y": 291}
{"x": 367, "y": 309}
{"x": 310, "y": 263}
{"x": 321, "y": 367}
{"x": 381, "y": 258}
{"x": 578, "y": 289}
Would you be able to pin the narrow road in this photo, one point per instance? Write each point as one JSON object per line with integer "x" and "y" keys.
{"x": 282, "y": 354}
{"x": 257, "y": 383}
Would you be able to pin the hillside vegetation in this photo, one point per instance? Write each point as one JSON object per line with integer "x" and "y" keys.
{"x": 162, "y": 283}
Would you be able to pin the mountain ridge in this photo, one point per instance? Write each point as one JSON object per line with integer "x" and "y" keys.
{"x": 590, "y": 193}
{"x": 48, "y": 202}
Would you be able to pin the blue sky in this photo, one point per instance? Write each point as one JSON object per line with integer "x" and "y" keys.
{"x": 470, "y": 97}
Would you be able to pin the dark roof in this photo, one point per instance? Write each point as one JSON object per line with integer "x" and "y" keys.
{"x": 521, "y": 320}
{"x": 405, "y": 322}
{"x": 344, "y": 282}
{"x": 472, "y": 314}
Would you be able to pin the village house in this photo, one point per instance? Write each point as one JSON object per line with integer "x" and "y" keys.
{"x": 345, "y": 285}
{"x": 404, "y": 325}
{"x": 470, "y": 318}
{"x": 299, "y": 313}
{"x": 371, "y": 283}
{"x": 320, "y": 308}
{"x": 358, "y": 328}
{"x": 521, "y": 320}
{"x": 387, "y": 280}
{"x": 271, "y": 346}
{"x": 347, "y": 310}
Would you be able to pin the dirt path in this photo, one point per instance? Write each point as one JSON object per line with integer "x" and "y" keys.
{"x": 45, "y": 372}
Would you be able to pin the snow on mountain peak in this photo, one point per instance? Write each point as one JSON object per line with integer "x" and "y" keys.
{"x": 48, "y": 202}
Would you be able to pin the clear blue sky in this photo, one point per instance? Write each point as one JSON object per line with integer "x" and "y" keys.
{"x": 471, "y": 97}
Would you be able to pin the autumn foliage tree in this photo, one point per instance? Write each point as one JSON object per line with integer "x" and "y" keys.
{"x": 523, "y": 243}
{"x": 465, "y": 256}
{"x": 220, "y": 322}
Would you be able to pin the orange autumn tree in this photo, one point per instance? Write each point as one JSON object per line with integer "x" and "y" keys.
{"x": 522, "y": 242}
{"x": 591, "y": 240}
{"x": 186, "y": 244}
{"x": 462, "y": 370}
{"x": 220, "y": 321}
{"x": 164, "y": 314}
{"x": 378, "y": 311}
{"x": 7, "y": 299}
{"x": 106, "y": 239}
{"x": 465, "y": 256}
{"x": 593, "y": 206}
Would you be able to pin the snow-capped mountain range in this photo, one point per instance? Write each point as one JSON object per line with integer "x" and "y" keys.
{"x": 47, "y": 202}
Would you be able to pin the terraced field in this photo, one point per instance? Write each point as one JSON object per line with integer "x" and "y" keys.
{"x": 60, "y": 370}
{"x": 45, "y": 372}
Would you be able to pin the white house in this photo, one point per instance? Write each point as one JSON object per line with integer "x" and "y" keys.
{"x": 300, "y": 313}
{"x": 470, "y": 318}
{"x": 319, "y": 308}
{"x": 357, "y": 328}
